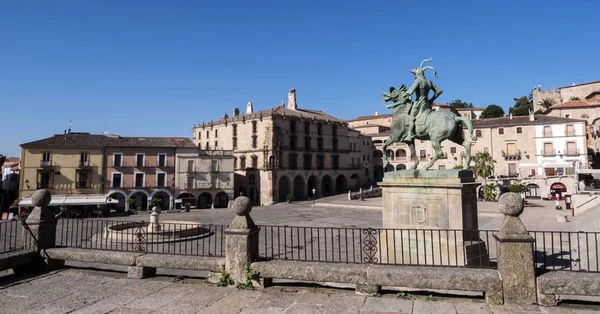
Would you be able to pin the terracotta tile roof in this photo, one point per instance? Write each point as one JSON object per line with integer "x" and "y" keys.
{"x": 278, "y": 111}
{"x": 520, "y": 121}
{"x": 573, "y": 103}
{"x": 100, "y": 140}
{"x": 379, "y": 116}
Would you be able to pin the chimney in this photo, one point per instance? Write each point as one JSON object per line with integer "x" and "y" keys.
{"x": 249, "y": 107}
{"x": 510, "y": 116}
{"x": 376, "y": 113}
{"x": 531, "y": 116}
{"x": 236, "y": 112}
{"x": 292, "y": 99}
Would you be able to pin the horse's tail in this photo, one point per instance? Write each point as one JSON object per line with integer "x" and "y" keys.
{"x": 469, "y": 125}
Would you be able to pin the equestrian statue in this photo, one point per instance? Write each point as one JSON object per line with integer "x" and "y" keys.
{"x": 416, "y": 120}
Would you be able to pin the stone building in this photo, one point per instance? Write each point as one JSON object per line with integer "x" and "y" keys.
{"x": 287, "y": 150}
{"x": 9, "y": 184}
{"x": 203, "y": 178}
{"x": 89, "y": 171}
{"x": 541, "y": 150}
{"x": 589, "y": 92}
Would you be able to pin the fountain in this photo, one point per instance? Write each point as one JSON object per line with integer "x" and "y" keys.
{"x": 154, "y": 231}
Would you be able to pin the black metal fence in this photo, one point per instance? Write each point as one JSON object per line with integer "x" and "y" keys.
{"x": 10, "y": 235}
{"x": 571, "y": 251}
{"x": 383, "y": 246}
{"x": 127, "y": 236}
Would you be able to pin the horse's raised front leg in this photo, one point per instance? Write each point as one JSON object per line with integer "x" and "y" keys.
{"x": 437, "y": 152}
{"x": 413, "y": 154}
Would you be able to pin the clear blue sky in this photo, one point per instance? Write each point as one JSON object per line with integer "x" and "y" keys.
{"x": 153, "y": 68}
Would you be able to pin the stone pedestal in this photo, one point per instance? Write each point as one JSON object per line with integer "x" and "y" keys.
{"x": 515, "y": 253}
{"x": 241, "y": 240}
{"x": 39, "y": 231}
{"x": 438, "y": 211}
{"x": 154, "y": 225}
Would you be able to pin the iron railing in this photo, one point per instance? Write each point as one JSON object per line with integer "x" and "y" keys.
{"x": 571, "y": 251}
{"x": 173, "y": 238}
{"x": 10, "y": 235}
{"x": 433, "y": 247}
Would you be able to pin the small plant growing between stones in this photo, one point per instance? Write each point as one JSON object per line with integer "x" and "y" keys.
{"x": 405, "y": 296}
{"x": 430, "y": 298}
{"x": 251, "y": 275}
{"x": 178, "y": 279}
{"x": 225, "y": 279}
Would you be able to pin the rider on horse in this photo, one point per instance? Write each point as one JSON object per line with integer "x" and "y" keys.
{"x": 421, "y": 88}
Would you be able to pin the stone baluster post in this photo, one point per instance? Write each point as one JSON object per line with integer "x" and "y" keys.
{"x": 515, "y": 253}
{"x": 242, "y": 240}
{"x": 39, "y": 231}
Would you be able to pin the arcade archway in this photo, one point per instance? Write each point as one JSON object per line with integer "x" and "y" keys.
{"x": 341, "y": 185}
{"x": 299, "y": 188}
{"x": 204, "y": 200}
{"x": 284, "y": 188}
{"x": 326, "y": 186}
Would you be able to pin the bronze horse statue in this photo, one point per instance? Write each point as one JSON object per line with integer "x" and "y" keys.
{"x": 433, "y": 125}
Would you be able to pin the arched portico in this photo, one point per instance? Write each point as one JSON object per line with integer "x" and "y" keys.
{"x": 186, "y": 198}
{"x": 140, "y": 198}
{"x": 326, "y": 186}
{"x": 205, "y": 200}
{"x": 284, "y": 188}
{"x": 299, "y": 188}
{"x": 312, "y": 184}
{"x": 221, "y": 200}
{"x": 166, "y": 202}
{"x": 341, "y": 185}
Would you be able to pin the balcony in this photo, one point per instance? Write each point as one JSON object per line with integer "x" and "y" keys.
{"x": 512, "y": 155}
{"x": 548, "y": 153}
{"x": 83, "y": 185}
{"x": 571, "y": 133}
{"x": 572, "y": 153}
{"x": 547, "y": 134}
{"x": 46, "y": 164}
{"x": 84, "y": 163}
{"x": 45, "y": 185}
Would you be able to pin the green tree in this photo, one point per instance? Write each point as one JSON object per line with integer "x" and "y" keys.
{"x": 492, "y": 111}
{"x": 572, "y": 98}
{"x": 484, "y": 165}
{"x": 521, "y": 108}
{"x": 547, "y": 103}
{"x": 457, "y": 103}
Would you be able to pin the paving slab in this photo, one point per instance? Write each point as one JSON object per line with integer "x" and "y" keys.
{"x": 472, "y": 308}
{"x": 387, "y": 305}
{"x": 232, "y": 303}
{"x": 433, "y": 307}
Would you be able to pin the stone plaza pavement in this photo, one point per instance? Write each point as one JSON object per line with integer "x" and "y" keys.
{"x": 85, "y": 291}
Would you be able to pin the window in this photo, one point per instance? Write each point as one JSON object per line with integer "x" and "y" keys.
{"x": 519, "y": 130}
{"x": 139, "y": 159}
{"x": 571, "y": 149}
{"x": 319, "y": 129}
{"x": 255, "y": 162}
{"x": 234, "y": 162}
{"x": 452, "y": 150}
{"x": 547, "y": 131}
{"x": 254, "y": 141}
{"x": 511, "y": 149}
{"x": 254, "y": 128}
{"x": 501, "y": 131}
{"x": 216, "y": 145}
{"x": 190, "y": 183}
{"x": 83, "y": 179}
{"x": 320, "y": 159}
{"x": 190, "y": 165}
{"x": 251, "y": 179}
{"x": 216, "y": 133}
{"x": 570, "y": 130}
{"x": 307, "y": 161}
{"x": 207, "y": 146}
{"x": 162, "y": 160}
{"x": 45, "y": 179}
{"x": 117, "y": 160}
{"x": 293, "y": 126}
{"x": 161, "y": 179}
{"x": 46, "y": 160}
{"x": 117, "y": 180}
{"x": 243, "y": 162}
{"x": 139, "y": 179}
{"x": 335, "y": 144}
{"x": 307, "y": 143}
{"x": 207, "y": 134}
{"x": 548, "y": 150}
{"x": 478, "y": 133}
{"x": 293, "y": 143}
{"x": 512, "y": 170}
{"x": 307, "y": 127}
{"x": 335, "y": 161}
{"x": 199, "y": 135}
{"x": 320, "y": 144}
{"x": 442, "y": 167}
{"x": 334, "y": 130}
{"x": 422, "y": 154}
{"x": 235, "y": 130}
{"x": 293, "y": 163}
{"x": 234, "y": 142}
{"x": 84, "y": 160}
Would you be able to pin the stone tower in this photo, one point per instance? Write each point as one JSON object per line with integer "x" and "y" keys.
{"x": 249, "y": 108}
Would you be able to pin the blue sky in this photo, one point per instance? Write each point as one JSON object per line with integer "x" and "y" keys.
{"x": 154, "y": 68}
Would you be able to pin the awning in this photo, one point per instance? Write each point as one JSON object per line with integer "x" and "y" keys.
{"x": 85, "y": 199}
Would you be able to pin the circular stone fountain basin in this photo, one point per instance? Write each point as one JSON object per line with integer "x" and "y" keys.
{"x": 170, "y": 231}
